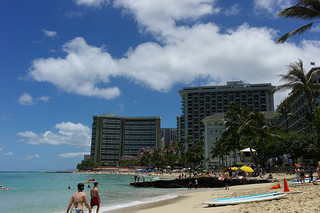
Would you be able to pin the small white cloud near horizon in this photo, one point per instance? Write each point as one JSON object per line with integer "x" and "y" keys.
{"x": 26, "y": 100}
{"x": 50, "y": 33}
{"x": 33, "y": 156}
{"x": 9, "y": 153}
{"x": 73, "y": 155}
{"x": 69, "y": 133}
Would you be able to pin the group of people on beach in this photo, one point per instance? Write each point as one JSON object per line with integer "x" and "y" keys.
{"x": 79, "y": 198}
{"x": 301, "y": 173}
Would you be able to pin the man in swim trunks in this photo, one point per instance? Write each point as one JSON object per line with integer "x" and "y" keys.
{"x": 77, "y": 199}
{"x": 95, "y": 198}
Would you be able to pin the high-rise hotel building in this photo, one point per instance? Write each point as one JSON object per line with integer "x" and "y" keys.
{"x": 114, "y": 136}
{"x": 199, "y": 102}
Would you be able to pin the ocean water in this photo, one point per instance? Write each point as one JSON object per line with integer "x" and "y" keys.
{"x": 37, "y": 192}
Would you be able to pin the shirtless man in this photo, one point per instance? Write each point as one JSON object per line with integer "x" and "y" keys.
{"x": 95, "y": 198}
{"x": 77, "y": 199}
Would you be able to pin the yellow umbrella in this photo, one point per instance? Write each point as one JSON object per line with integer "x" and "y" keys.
{"x": 234, "y": 168}
{"x": 246, "y": 169}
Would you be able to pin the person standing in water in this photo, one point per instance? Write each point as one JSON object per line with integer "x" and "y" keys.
{"x": 77, "y": 199}
{"x": 95, "y": 198}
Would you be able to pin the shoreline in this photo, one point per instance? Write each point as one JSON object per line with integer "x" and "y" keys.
{"x": 301, "y": 198}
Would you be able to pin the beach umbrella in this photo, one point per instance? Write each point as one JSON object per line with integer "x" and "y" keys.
{"x": 246, "y": 169}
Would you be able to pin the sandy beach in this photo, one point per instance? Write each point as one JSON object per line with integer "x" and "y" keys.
{"x": 301, "y": 198}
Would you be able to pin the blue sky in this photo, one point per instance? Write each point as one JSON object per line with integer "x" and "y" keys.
{"x": 64, "y": 61}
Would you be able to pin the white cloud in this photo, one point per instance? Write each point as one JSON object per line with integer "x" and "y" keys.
{"x": 183, "y": 54}
{"x": 26, "y": 100}
{"x": 9, "y": 153}
{"x": 233, "y": 10}
{"x": 73, "y": 155}
{"x": 315, "y": 28}
{"x": 33, "y": 156}
{"x": 68, "y": 133}
{"x": 91, "y": 3}
{"x": 0, "y": 149}
{"x": 50, "y": 33}
{"x": 272, "y": 7}
{"x": 159, "y": 16}
{"x": 44, "y": 98}
{"x": 83, "y": 68}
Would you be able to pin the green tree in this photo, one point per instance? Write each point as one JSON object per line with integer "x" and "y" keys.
{"x": 263, "y": 132}
{"x": 284, "y": 111}
{"x": 220, "y": 149}
{"x": 316, "y": 123}
{"x": 235, "y": 116}
{"x": 246, "y": 130}
{"x": 300, "y": 81}
{"x": 303, "y": 10}
{"x": 195, "y": 153}
{"x": 88, "y": 165}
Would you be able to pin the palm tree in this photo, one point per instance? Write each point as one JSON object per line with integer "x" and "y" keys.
{"x": 246, "y": 130}
{"x": 231, "y": 138}
{"x": 263, "y": 131}
{"x": 284, "y": 111}
{"x": 303, "y": 10}
{"x": 300, "y": 81}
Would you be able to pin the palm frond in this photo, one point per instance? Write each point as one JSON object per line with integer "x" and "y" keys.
{"x": 300, "y": 30}
{"x": 312, "y": 4}
{"x": 299, "y": 12}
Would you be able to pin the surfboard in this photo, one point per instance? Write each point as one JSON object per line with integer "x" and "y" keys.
{"x": 244, "y": 200}
{"x": 258, "y": 195}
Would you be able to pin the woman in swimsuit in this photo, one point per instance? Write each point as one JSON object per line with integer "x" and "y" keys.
{"x": 77, "y": 199}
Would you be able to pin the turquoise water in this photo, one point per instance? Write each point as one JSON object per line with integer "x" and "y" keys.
{"x": 37, "y": 192}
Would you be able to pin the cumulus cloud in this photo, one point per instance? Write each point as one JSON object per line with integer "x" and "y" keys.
{"x": 26, "y": 100}
{"x": 68, "y": 133}
{"x": 159, "y": 16}
{"x": 73, "y": 155}
{"x": 91, "y": 3}
{"x": 50, "y": 33}
{"x": 182, "y": 54}
{"x": 83, "y": 68}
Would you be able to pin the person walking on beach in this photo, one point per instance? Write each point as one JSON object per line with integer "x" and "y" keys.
{"x": 297, "y": 170}
{"x": 318, "y": 171}
{"x": 196, "y": 184}
{"x": 302, "y": 175}
{"x": 190, "y": 185}
{"x": 310, "y": 173}
{"x": 77, "y": 199}
{"x": 95, "y": 198}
